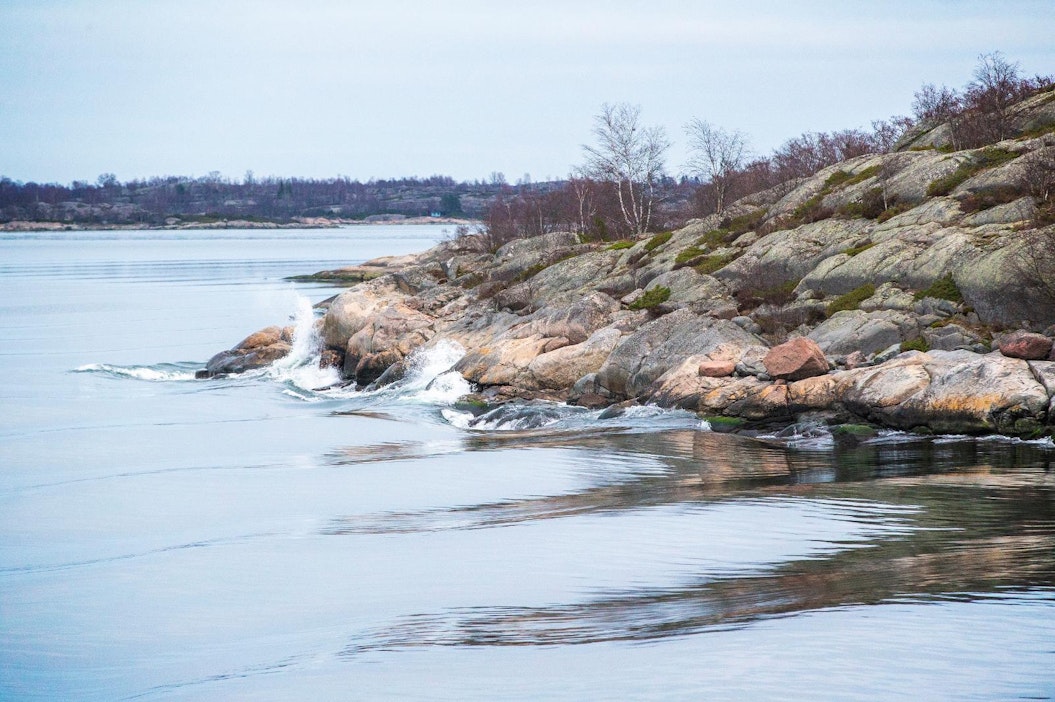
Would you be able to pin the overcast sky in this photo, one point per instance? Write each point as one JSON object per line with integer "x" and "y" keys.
{"x": 393, "y": 88}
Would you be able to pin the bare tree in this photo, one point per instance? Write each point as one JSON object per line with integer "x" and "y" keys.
{"x": 630, "y": 156}
{"x": 886, "y": 133}
{"x": 717, "y": 155}
{"x": 933, "y": 105}
{"x": 996, "y": 86}
{"x": 582, "y": 187}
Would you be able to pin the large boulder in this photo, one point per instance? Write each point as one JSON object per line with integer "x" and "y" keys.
{"x": 867, "y": 332}
{"x": 748, "y": 397}
{"x": 641, "y": 358}
{"x": 796, "y": 359}
{"x": 948, "y": 391}
{"x": 352, "y": 309}
{"x": 702, "y": 293}
{"x": 575, "y": 322}
{"x": 257, "y": 350}
{"x": 561, "y": 368}
{"x": 1027, "y": 345}
{"x": 386, "y": 337}
{"x": 529, "y": 352}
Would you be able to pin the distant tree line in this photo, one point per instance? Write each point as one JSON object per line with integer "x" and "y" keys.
{"x": 213, "y": 197}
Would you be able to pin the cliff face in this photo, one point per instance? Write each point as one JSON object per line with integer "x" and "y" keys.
{"x": 901, "y": 270}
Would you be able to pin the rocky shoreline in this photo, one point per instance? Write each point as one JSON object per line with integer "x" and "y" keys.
{"x": 798, "y": 303}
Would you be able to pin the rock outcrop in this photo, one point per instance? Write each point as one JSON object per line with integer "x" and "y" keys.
{"x": 888, "y": 318}
{"x": 257, "y": 350}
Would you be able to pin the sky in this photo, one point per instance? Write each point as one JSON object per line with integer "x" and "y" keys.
{"x": 392, "y": 88}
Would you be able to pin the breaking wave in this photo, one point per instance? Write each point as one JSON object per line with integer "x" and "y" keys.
{"x": 300, "y": 368}
{"x": 159, "y": 373}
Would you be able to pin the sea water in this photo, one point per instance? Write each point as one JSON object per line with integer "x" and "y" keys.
{"x": 276, "y": 536}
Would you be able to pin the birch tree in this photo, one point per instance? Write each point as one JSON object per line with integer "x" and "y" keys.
{"x": 630, "y": 156}
{"x": 716, "y": 155}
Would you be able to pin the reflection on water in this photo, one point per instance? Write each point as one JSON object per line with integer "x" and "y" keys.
{"x": 946, "y": 519}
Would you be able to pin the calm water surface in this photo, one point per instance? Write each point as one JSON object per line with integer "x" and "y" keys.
{"x": 258, "y": 538}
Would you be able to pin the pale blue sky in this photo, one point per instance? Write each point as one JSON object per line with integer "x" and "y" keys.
{"x": 383, "y": 89}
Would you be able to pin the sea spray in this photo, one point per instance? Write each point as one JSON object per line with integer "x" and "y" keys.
{"x": 429, "y": 377}
{"x": 300, "y": 367}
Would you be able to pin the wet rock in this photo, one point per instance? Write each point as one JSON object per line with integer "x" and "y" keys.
{"x": 394, "y": 373}
{"x": 796, "y": 359}
{"x": 850, "y": 435}
{"x": 329, "y": 358}
{"x": 371, "y": 367}
{"x": 1025, "y": 345}
{"x": 386, "y": 336}
{"x": 257, "y": 350}
{"x": 946, "y": 391}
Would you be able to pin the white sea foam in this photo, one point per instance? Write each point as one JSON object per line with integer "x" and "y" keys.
{"x": 429, "y": 377}
{"x": 461, "y": 420}
{"x": 161, "y": 373}
{"x": 300, "y": 367}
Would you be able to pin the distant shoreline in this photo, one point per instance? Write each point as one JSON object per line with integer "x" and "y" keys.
{"x": 300, "y": 223}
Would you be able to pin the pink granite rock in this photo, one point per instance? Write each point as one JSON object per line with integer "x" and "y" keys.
{"x": 796, "y": 359}
{"x": 1027, "y": 345}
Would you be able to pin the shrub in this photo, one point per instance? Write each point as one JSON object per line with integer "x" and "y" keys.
{"x": 657, "y": 241}
{"x": 893, "y": 211}
{"x": 471, "y": 280}
{"x": 836, "y": 179}
{"x": 870, "y": 206}
{"x": 712, "y": 263}
{"x": 812, "y": 210}
{"x": 651, "y": 298}
{"x": 991, "y": 197}
{"x": 713, "y": 238}
{"x": 744, "y": 223}
{"x": 990, "y": 157}
{"x": 687, "y": 254}
{"x": 851, "y": 300}
{"x": 943, "y": 288}
{"x": 844, "y": 178}
{"x": 917, "y": 344}
{"x": 529, "y": 272}
{"x": 620, "y": 245}
{"x": 732, "y": 228}
{"x": 774, "y": 295}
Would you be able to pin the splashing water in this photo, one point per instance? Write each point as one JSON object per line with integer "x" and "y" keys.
{"x": 301, "y": 366}
{"x": 429, "y": 376}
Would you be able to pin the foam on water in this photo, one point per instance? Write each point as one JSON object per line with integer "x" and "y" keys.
{"x": 160, "y": 373}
